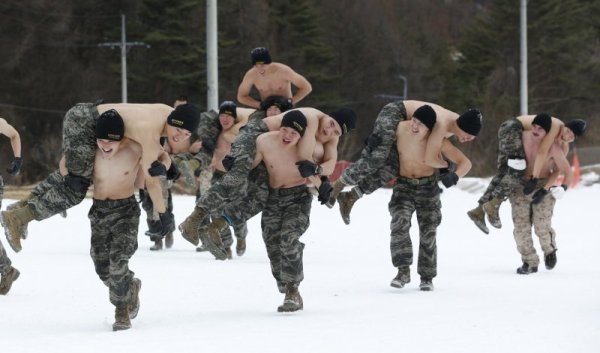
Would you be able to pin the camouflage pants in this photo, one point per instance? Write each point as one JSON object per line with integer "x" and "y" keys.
{"x": 226, "y": 236}
{"x": 114, "y": 240}
{"x": 253, "y": 203}
{"x": 233, "y": 185}
{"x": 510, "y": 145}
{"x": 4, "y": 260}
{"x": 1, "y": 190}
{"x": 425, "y": 200}
{"x": 373, "y": 156}
{"x": 285, "y": 218}
{"x": 525, "y": 215}
{"x": 381, "y": 176}
{"x": 79, "y": 148}
{"x": 148, "y": 206}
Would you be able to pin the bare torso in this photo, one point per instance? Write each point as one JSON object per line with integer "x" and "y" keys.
{"x": 531, "y": 145}
{"x": 222, "y": 148}
{"x": 273, "y": 80}
{"x": 114, "y": 177}
{"x": 411, "y": 152}
{"x": 280, "y": 161}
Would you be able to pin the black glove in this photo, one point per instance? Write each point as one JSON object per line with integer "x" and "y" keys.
{"x": 208, "y": 145}
{"x": 143, "y": 195}
{"x": 228, "y": 162}
{"x": 308, "y": 168}
{"x": 173, "y": 173}
{"x": 15, "y": 166}
{"x": 449, "y": 179}
{"x": 539, "y": 195}
{"x": 167, "y": 224}
{"x": 450, "y": 168}
{"x": 530, "y": 186}
{"x": 324, "y": 190}
{"x": 157, "y": 168}
{"x": 76, "y": 183}
{"x": 372, "y": 142}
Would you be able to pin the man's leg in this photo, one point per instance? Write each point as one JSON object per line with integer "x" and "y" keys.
{"x": 521, "y": 216}
{"x": 271, "y": 226}
{"x": 429, "y": 216}
{"x": 542, "y": 225}
{"x": 401, "y": 208}
{"x": 8, "y": 273}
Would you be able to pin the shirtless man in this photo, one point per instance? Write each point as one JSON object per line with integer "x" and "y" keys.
{"x": 536, "y": 210}
{"x": 114, "y": 216}
{"x": 270, "y": 79}
{"x": 8, "y": 273}
{"x": 416, "y": 189}
{"x": 286, "y": 215}
{"x": 144, "y": 123}
{"x": 232, "y": 186}
{"x": 511, "y": 161}
{"x": 377, "y": 163}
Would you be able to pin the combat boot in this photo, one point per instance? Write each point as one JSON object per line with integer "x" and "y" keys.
{"x": 402, "y": 278}
{"x": 477, "y": 215}
{"x": 189, "y": 228}
{"x": 169, "y": 241}
{"x": 134, "y": 305}
{"x": 240, "y": 246}
{"x": 347, "y": 200}
{"x": 292, "y": 300}
{"x": 550, "y": 260}
{"x": 157, "y": 245}
{"x": 492, "y": 209}
{"x": 338, "y": 186}
{"x": 7, "y": 279}
{"x": 426, "y": 285}
{"x": 211, "y": 238}
{"x": 19, "y": 204}
{"x": 229, "y": 253}
{"x": 526, "y": 269}
{"x": 15, "y": 225}
{"x": 122, "y": 321}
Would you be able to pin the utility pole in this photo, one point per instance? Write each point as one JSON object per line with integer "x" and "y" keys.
{"x": 212, "y": 56}
{"x": 524, "y": 99}
{"x": 123, "y": 44}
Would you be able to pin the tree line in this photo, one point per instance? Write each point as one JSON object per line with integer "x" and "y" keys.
{"x": 456, "y": 53}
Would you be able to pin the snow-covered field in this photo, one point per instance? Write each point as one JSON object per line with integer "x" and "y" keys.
{"x": 193, "y": 303}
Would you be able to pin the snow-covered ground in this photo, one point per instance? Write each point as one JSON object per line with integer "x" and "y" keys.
{"x": 193, "y": 303}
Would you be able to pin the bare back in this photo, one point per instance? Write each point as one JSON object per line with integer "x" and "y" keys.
{"x": 114, "y": 178}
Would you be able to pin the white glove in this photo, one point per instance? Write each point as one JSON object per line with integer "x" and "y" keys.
{"x": 517, "y": 164}
{"x": 558, "y": 191}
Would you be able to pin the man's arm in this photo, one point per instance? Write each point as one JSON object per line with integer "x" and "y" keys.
{"x": 562, "y": 165}
{"x": 542, "y": 156}
{"x": 329, "y": 157}
{"x": 434, "y": 147}
{"x": 150, "y": 154}
{"x": 303, "y": 86}
{"x": 463, "y": 164}
{"x": 306, "y": 145}
{"x": 243, "y": 94}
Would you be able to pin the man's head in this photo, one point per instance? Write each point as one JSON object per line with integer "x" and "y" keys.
{"x": 541, "y": 125}
{"x": 469, "y": 124}
{"x": 260, "y": 55}
{"x": 227, "y": 114}
{"x": 346, "y": 119}
{"x": 573, "y": 128}
{"x": 179, "y": 101}
{"x": 424, "y": 116}
{"x": 110, "y": 130}
{"x": 293, "y": 126}
{"x": 274, "y": 105}
{"x": 182, "y": 122}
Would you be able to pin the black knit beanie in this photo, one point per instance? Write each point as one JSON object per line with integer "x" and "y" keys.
{"x": 470, "y": 122}
{"x": 345, "y": 117}
{"x": 185, "y": 116}
{"x": 543, "y": 120}
{"x": 260, "y": 55}
{"x": 578, "y": 126}
{"x": 284, "y": 104}
{"x": 296, "y": 120}
{"x": 110, "y": 126}
{"x": 229, "y": 108}
{"x": 426, "y": 115}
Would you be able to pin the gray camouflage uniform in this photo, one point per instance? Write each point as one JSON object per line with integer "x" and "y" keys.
{"x": 525, "y": 215}
{"x": 79, "y": 149}
{"x": 423, "y": 196}
{"x": 114, "y": 240}
{"x": 510, "y": 141}
{"x": 4, "y": 260}
{"x": 285, "y": 218}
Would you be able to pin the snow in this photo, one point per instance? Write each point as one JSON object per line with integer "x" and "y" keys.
{"x": 191, "y": 302}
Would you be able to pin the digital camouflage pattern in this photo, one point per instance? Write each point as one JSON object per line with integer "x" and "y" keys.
{"x": 425, "y": 200}
{"x": 374, "y": 156}
{"x": 285, "y": 218}
{"x": 114, "y": 240}
{"x": 510, "y": 145}
{"x": 539, "y": 216}
{"x": 4, "y": 260}
{"x": 383, "y": 175}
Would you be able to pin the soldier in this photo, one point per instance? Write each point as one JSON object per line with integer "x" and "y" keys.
{"x": 378, "y": 162}
{"x": 145, "y": 124}
{"x": 536, "y": 210}
{"x": 416, "y": 189}
{"x": 233, "y": 185}
{"x": 114, "y": 215}
{"x": 511, "y": 161}
{"x": 8, "y": 273}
